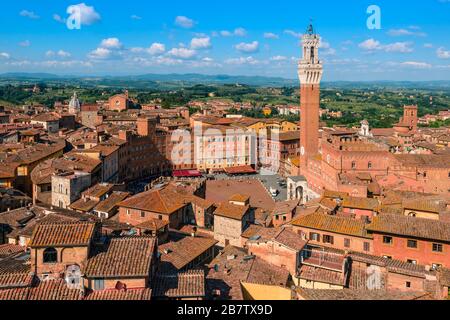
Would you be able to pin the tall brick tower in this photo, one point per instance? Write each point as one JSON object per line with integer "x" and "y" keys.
{"x": 310, "y": 72}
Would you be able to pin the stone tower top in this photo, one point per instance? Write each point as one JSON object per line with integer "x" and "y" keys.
{"x": 310, "y": 68}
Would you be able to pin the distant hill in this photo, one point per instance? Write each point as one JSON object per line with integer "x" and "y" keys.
{"x": 186, "y": 79}
{"x": 169, "y": 81}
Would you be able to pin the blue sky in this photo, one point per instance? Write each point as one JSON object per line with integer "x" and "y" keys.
{"x": 246, "y": 37}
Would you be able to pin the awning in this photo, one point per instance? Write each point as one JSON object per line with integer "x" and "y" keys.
{"x": 186, "y": 174}
{"x": 240, "y": 170}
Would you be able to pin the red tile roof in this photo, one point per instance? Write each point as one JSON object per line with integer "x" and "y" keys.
{"x": 63, "y": 234}
{"x": 411, "y": 226}
{"x": 240, "y": 170}
{"x": 10, "y": 249}
{"x": 190, "y": 284}
{"x": 123, "y": 295}
{"x": 290, "y": 239}
{"x": 325, "y": 222}
{"x": 181, "y": 253}
{"x": 231, "y": 211}
{"x": 166, "y": 200}
{"x": 124, "y": 257}
{"x": 53, "y": 290}
{"x": 14, "y": 294}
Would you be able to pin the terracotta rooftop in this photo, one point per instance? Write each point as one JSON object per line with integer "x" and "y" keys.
{"x": 189, "y": 284}
{"x": 165, "y": 200}
{"x": 311, "y": 273}
{"x": 411, "y": 226}
{"x": 111, "y": 202}
{"x": 35, "y": 152}
{"x": 179, "y": 254}
{"x": 15, "y": 272}
{"x": 231, "y": 211}
{"x": 348, "y": 294}
{"x": 422, "y": 160}
{"x": 45, "y": 117}
{"x": 122, "y": 257}
{"x": 360, "y": 203}
{"x": 121, "y": 295}
{"x": 239, "y": 198}
{"x": 7, "y": 250}
{"x": 325, "y": 222}
{"x": 427, "y": 205}
{"x": 63, "y": 234}
{"x": 234, "y": 265}
{"x": 240, "y": 170}
{"x": 221, "y": 190}
{"x": 289, "y": 136}
{"x": 290, "y": 239}
{"x": 98, "y": 190}
{"x": 152, "y": 224}
{"x": 53, "y": 290}
{"x": 335, "y": 194}
{"x": 284, "y": 207}
{"x": 256, "y": 231}
{"x": 84, "y": 205}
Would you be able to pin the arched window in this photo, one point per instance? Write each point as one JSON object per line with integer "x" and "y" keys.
{"x": 50, "y": 255}
{"x": 353, "y": 164}
{"x": 369, "y": 165}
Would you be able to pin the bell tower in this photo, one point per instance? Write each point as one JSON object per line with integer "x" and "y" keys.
{"x": 310, "y": 72}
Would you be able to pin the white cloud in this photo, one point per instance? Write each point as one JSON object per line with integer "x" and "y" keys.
{"x": 63, "y": 54}
{"x": 324, "y": 44}
{"x": 156, "y": 49}
{"x": 166, "y": 61}
{"x": 238, "y": 32}
{"x": 59, "y": 53}
{"x": 247, "y": 47}
{"x": 416, "y": 64}
{"x": 111, "y": 43}
{"x": 442, "y": 53}
{"x": 109, "y": 48}
{"x": 412, "y": 31}
{"x": 63, "y": 64}
{"x": 240, "y": 61}
{"x": 182, "y": 53}
{"x": 4, "y": 55}
{"x": 374, "y": 45}
{"x": 201, "y": 43}
{"x": 293, "y": 33}
{"x": 226, "y": 33}
{"x": 327, "y": 50}
{"x": 270, "y": 35}
{"x": 184, "y": 22}
{"x": 135, "y": 17}
{"x": 58, "y": 18}
{"x": 278, "y": 58}
{"x": 402, "y": 47}
{"x": 88, "y": 14}
{"x": 370, "y": 44}
{"x": 428, "y": 45}
{"x": 25, "y": 43}
{"x": 100, "y": 53}
{"x": 29, "y": 14}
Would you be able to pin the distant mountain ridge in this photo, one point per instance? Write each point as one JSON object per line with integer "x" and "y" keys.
{"x": 176, "y": 80}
